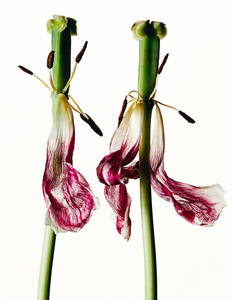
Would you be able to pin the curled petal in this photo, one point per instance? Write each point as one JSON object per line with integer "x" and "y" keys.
{"x": 108, "y": 171}
{"x": 131, "y": 172}
{"x": 120, "y": 201}
{"x": 70, "y": 201}
{"x": 198, "y": 205}
{"x": 124, "y": 147}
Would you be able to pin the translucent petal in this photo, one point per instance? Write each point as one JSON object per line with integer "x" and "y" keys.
{"x": 123, "y": 147}
{"x": 120, "y": 201}
{"x": 198, "y": 205}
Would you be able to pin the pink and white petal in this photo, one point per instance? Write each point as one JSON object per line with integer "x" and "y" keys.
{"x": 198, "y": 205}
{"x": 61, "y": 138}
{"x": 120, "y": 201}
{"x": 127, "y": 135}
{"x": 158, "y": 141}
{"x": 131, "y": 172}
{"x": 123, "y": 224}
{"x": 70, "y": 202}
{"x": 123, "y": 148}
{"x": 109, "y": 169}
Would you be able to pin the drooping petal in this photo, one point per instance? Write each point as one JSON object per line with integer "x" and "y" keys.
{"x": 68, "y": 197}
{"x": 120, "y": 201}
{"x": 70, "y": 201}
{"x": 108, "y": 171}
{"x": 127, "y": 135}
{"x": 198, "y": 205}
{"x": 123, "y": 147}
{"x": 62, "y": 137}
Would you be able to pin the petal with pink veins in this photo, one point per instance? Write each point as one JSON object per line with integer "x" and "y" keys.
{"x": 120, "y": 201}
{"x": 67, "y": 194}
{"x": 198, "y": 205}
{"x": 124, "y": 147}
{"x": 70, "y": 201}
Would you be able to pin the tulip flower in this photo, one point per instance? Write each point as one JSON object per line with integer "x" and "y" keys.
{"x": 198, "y": 205}
{"x": 68, "y": 196}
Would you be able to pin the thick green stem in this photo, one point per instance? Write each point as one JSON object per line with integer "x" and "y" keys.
{"x": 46, "y": 264}
{"x": 148, "y": 64}
{"x": 61, "y": 29}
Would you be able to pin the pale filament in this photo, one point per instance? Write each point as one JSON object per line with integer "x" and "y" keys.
{"x": 153, "y": 93}
{"x": 134, "y": 91}
{"x": 74, "y": 108}
{"x": 132, "y": 100}
{"x": 44, "y": 83}
{"x": 70, "y": 79}
{"x": 169, "y": 106}
{"x": 78, "y": 106}
{"x": 51, "y": 81}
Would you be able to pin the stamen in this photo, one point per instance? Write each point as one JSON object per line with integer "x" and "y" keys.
{"x": 25, "y": 70}
{"x": 51, "y": 81}
{"x": 77, "y": 60}
{"x": 124, "y": 105}
{"x": 134, "y": 91}
{"x": 70, "y": 79}
{"x": 152, "y": 96}
{"x": 91, "y": 123}
{"x": 73, "y": 100}
{"x": 81, "y": 53}
{"x": 186, "y": 117}
{"x": 45, "y": 84}
{"x": 160, "y": 69}
{"x": 169, "y": 106}
{"x": 31, "y": 73}
{"x": 74, "y": 108}
{"x": 50, "y": 59}
{"x": 131, "y": 100}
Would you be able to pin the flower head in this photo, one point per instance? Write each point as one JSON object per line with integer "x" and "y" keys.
{"x": 198, "y": 205}
{"x": 68, "y": 196}
{"x": 69, "y": 199}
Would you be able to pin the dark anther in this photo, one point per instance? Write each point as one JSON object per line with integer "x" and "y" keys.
{"x": 50, "y": 59}
{"x": 186, "y": 117}
{"x": 124, "y": 105}
{"x": 163, "y": 63}
{"x": 91, "y": 123}
{"x": 25, "y": 70}
{"x": 81, "y": 53}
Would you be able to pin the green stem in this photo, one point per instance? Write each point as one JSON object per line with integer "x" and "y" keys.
{"x": 46, "y": 264}
{"x": 148, "y": 64}
{"x": 61, "y": 29}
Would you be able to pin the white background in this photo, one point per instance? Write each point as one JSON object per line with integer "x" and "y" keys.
{"x": 96, "y": 263}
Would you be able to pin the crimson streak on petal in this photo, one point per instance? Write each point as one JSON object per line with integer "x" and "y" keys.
{"x": 68, "y": 196}
{"x": 120, "y": 201}
{"x": 198, "y": 205}
{"x": 114, "y": 170}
